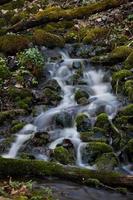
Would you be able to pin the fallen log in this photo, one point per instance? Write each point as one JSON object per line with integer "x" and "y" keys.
{"x": 35, "y": 169}
{"x": 54, "y": 14}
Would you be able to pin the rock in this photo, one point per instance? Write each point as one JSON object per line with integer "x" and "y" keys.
{"x": 83, "y": 123}
{"x": 40, "y": 139}
{"x": 63, "y": 156}
{"x": 102, "y": 121}
{"x": 106, "y": 162}
{"x": 51, "y": 97}
{"x": 95, "y": 149}
{"x": 53, "y": 85}
{"x": 129, "y": 150}
{"x": 63, "y": 119}
{"x": 129, "y": 61}
{"x": 81, "y": 96}
{"x": 77, "y": 65}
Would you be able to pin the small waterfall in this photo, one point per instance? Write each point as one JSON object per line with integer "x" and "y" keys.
{"x": 99, "y": 89}
{"x": 24, "y": 135}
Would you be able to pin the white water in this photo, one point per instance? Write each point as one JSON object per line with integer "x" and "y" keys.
{"x": 100, "y": 95}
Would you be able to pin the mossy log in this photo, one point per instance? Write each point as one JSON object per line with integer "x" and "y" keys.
{"x": 4, "y": 1}
{"x": 54, "y": 14}
{"x": 38, "y": 169}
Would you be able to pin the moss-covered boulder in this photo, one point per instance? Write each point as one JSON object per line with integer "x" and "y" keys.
{"x": 83, "y": 123}
{"x": 11, "y": 44}
{"x": 94, "y": 150}
{"x": 128, "y": 88}
{"x": 106, "y": 162}
{"x": 129, "y": 150}
{"x": 51, "y": 97}
{"x": 16, "y": 126}
{"x": 121, "y": 75}
{"x": 63, "y": 155}
{"x": 129, "y": 61}
{"x": 42, "y": 37}
{"x": 53, "y": 85}
{"x": 81, "y": 96}
{"x": 126, "y": 111}
{"x": 39, "y": 139}
{"x": 102, "y": 121}
{"x": 119, "y": 54}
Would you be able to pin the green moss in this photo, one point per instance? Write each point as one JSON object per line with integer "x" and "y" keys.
{"x": 129, "y": 89}
{"x": 102, "y": 120}
{"x": 127, "y": 110}
{"x": 119, "y": 54}
{"x": 93, "y": 182}
{"x": 42, "y": 37}
{"x": 80, "y": 94}
{"x": 83, "y": 123}
{"x": 2, "y": 22}
{"x": 106, "y": 162}
{"x": 62, "y": 155}
{"x": 93, "y": 34}
{"x": 16, "y": 127}
{"x": 56, "y": 13}
{"x": 121, "y": 75}
{"x": 11, "y": 44}
{"x": 122, "y": 190}
{"x": 129, "y": 148}
{"x": 51, "y": 96}
{"x": 86, "y": 136}
{"x": 98, "y": 147}
{"x": 19, "y": 93}
{"x": 8, "y": 115}
{"x": 129, "y": 61}
{"x": 4, "y": 71}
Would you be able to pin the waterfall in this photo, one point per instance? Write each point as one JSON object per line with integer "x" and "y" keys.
{"x": 100, "y": 93}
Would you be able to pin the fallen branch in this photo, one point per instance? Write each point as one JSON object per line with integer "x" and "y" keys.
{"x": 56, "y": 13}
{"x": 33, "y": 168}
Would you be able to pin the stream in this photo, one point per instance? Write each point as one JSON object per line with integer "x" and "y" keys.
{"x": 95, "y": 81}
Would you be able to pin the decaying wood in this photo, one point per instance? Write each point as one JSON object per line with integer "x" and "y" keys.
{"x": 33, "y": 168}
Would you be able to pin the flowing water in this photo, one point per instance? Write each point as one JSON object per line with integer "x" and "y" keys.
{"x": 97, "y": 84}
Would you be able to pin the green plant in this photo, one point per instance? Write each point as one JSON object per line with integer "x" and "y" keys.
{"x": 32, "y": 60}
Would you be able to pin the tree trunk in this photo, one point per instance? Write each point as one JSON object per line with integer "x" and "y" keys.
{"x": 57, "y": 14}
{"x": 33, "y": 168}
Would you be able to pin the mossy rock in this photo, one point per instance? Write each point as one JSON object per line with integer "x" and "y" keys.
{"x": 83, "y": 123}
{"x": 129, "y": 150}
{"x": 118, "y": 55}
{"x": 106, "y": 162}
{"x": 62, "y": 155}
{"x": 6, "y": 144}
{"x": 81, "y": 94}
{"x": 126, "y": 111}
{"x": 93, "y": 34}
{"x": 53, "y": 85}
{"x": 63, "y": 119}
{"x": 51, "y": 97}
{"x": 102, "y": 121}
{"x": 121, "y": 75}
{"x": 129, "y": 61}
{"x": 17, "y": 126}
{"x": 128, "y": 88}
{"x": 39, "y": 139}
{"x": 11, "y": 44}
{"x": 95, "y": 149}
{"x": 86, "y": 136}
{"x": 47, "y": 39}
